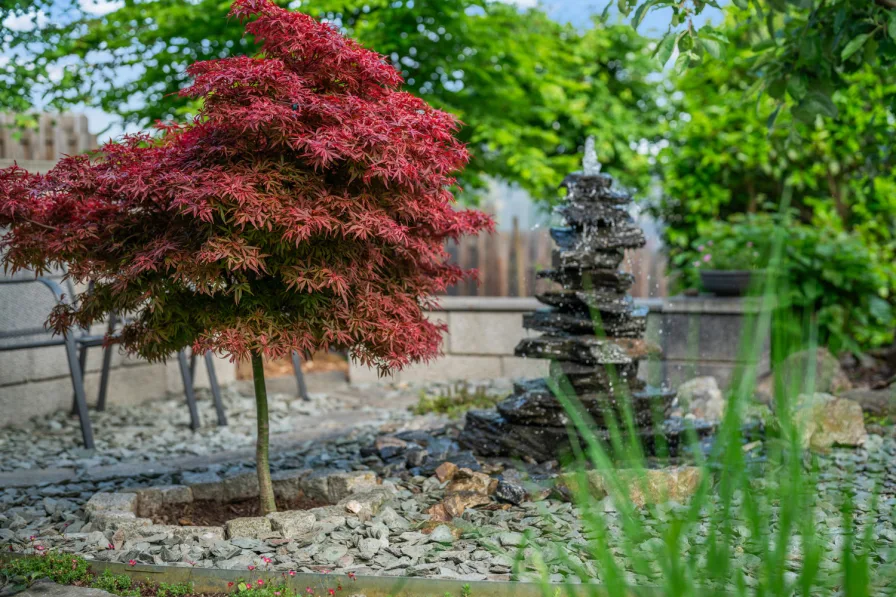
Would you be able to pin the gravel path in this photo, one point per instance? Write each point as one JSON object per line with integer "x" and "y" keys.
{"x": 480, "y": 544}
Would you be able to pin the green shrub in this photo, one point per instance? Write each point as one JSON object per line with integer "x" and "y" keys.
{"x": 835, "y": 278}
{"x": 456, "y": 400}
{"x": 723, "y": 162}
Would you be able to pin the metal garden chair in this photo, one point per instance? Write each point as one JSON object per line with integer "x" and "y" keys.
{"x": 24, "y": 306}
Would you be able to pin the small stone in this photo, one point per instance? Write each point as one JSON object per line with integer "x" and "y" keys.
{"x": 241, "y": 487}
{"x": 151, "y": 499}
{"x": 287, "y": 484}
{"x": 446, "y": 471}
{"x": 332, "y": 552}
{"x": 825, "y": 421}
{"x": 510, "y": 493}
{"x": 442, "y": 534}
{"x": 510, "y": 539}
{"x": 388, "y": 446}
{"x": 342, "y": 485}
{"x": 104, "y": 502}
{"x": 366, "y": 504}
{"x": 293, "y": 524}
{"x": 468, "y": 480}
{"x": 205, "y": 486}
{"x": 369, "y": 547}
{"x": 652, "y": 486}
{"x": 702, "y": 398}
{"x": 252, "y": 527}
{"x": 458, "y": 501}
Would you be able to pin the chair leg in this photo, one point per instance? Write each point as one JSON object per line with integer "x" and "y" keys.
{"x": 82, "y": 363}
{"x": 216, "y": 389}
{"x": 188, "y": 389}
{"x": 80, "y": 398}
{"x": 300, "y": 377}
{"x": 107, "y": 363}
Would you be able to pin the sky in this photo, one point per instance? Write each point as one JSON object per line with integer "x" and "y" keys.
{"x": 576, "y": 12}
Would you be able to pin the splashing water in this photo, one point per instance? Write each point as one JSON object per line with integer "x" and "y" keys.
{"x": 590, "y": 164}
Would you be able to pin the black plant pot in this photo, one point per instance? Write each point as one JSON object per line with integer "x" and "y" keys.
{"x": 726, "y": 282}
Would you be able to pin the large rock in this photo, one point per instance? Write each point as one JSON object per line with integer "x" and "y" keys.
{"x": 366, "y": 504}
{"x": 877, "y": 403}
{"x": 205, "y": 486}
{"x": 824, "y": 421}
{"x": 651, "y": 486}
{"x": 51, "y": 589}
{"x": 702, "y": 398}
{"x": 829, "y": 376}
{"x": 255, "y": 527}
{"x": 334, "y": 486}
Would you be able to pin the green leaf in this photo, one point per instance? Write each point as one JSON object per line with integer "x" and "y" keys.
{"x": 770, "y": 123}
{"x": 640, "y": 12}
{"x": 891, "y": 27}
{"x": 665, "y": 48}
{"x": 854, "y": 45}
{"x": 815, "y": 103}
{"x": 742, "y": 4}
{"x": 712, "y": 47}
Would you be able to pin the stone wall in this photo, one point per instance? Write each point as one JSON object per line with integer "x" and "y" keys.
{"x": 699, "y": 336}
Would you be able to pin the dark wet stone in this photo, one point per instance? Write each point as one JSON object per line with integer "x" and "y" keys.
{"x": 622, "y": 325}
{"x": 586, "y": 379}
{"x": 624, "y": 234}
{"x": 586, "y": 350}
{"x": 583, "y": 301}
{"x": 578, "y": 214}
{"x": 490, "y": 434}
{"x": 533, "y": 403}
{"x": 608, "y": 280}
{"x": 599, "y": 259}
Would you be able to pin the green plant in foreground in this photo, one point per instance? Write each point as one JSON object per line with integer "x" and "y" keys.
{"x": 173, "y": 590}
{"x": 787, "y": 524}
{"x": 61, "y": 568}
{"x": 456, "y": 400}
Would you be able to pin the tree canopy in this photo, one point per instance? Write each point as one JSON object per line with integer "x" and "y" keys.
{"x": 529, "y": 90}
{"x": 810, "y": 46}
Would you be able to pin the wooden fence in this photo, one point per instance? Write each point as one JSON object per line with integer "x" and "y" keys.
{"x": 55, "y": 135}
{"x": 508, "y": 262}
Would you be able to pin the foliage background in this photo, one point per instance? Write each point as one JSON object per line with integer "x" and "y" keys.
{"x": 528, "y": 88}
{"x": 724, "y": 161}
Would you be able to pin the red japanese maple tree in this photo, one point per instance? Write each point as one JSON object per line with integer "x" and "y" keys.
{"x": 305, "y": 208}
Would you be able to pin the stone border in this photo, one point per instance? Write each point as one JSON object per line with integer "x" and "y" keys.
{"x": 217, "y": 580}
{"x": 129, "y": 513}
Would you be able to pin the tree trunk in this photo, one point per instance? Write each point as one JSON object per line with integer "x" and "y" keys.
{"x": 262, "y": 463}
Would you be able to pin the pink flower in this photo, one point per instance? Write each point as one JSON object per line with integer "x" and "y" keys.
{"x": 110, "y": 546}
{"x": 277, "y": 593}
{"x": 706, "y": 258}
{"x": 308, "y": 590}
{"x": 700, "y": 248}
{"x": 132, "y": 562}
{"x": 251, "y": 567}
{"x": 696, "y": 264}
{"x": 292, "y": 572}
{"x": 709, "y": 243}
{"x": 331, "y": 591}
{"x": 351, "y": 575}
{"x": 32, "y": 538}
{"x": 266, "y": 560}
{"x": 260, "y": 582}
{"x": 39, "y": 547}
{"x": 230, "y": 584}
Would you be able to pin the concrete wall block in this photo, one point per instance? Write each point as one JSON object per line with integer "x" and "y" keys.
{"x": 20, "y": 402}
{"x": 520, "y": 368}
{"x": 128, "y": 385}
{"x": 15, "y": 367}
{"x": 485, "y": 333}
{"x": 452, "y": 367}
{"x": 695, "y": 336}
{"x": 48, "y": 363}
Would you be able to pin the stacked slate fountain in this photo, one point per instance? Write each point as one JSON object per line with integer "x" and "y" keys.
{"x": 591, "y": 331}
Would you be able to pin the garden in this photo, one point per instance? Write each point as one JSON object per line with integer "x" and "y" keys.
{"x": 266, "y": 249}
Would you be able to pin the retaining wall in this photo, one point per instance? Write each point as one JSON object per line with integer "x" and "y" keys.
{"x": 698, "y": 335}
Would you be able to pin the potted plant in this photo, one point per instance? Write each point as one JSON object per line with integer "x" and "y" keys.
{"x": 725, "y": 258}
